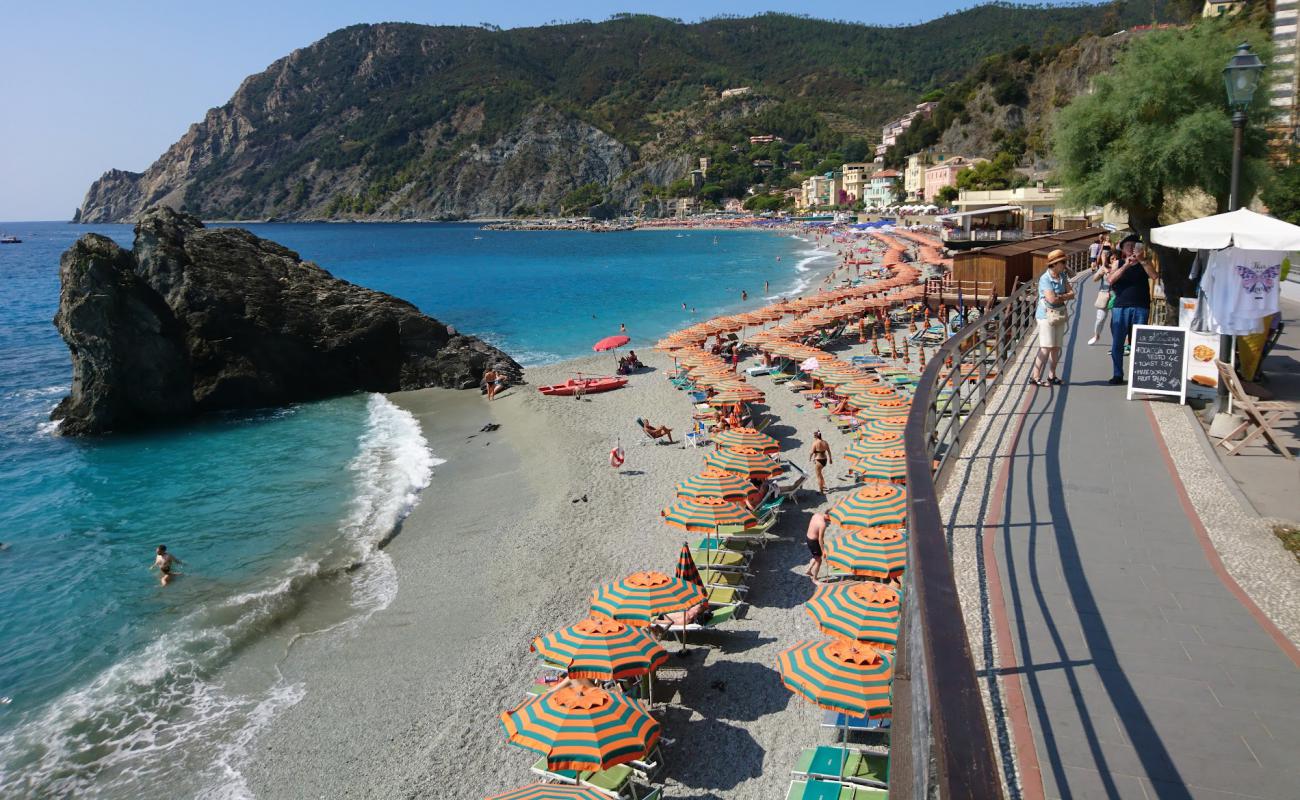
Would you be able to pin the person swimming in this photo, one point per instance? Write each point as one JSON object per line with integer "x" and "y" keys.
{"x": 164, "y": 561}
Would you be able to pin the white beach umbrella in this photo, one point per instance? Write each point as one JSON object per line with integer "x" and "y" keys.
{"x": 1241, "y": 228}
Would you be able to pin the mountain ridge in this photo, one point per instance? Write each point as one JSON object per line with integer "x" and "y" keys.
{"x": 399, "y": 121}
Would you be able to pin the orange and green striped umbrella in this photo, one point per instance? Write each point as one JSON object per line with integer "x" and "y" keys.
{"x": 601, "y": 649}
{"x": 886, "y": 465}
{"x": 840, "y": 675}
{"x": 863, "y": 555}
{"x": 747, "y": 437}
{"x": 642, "y": 596}
{"x": 705, "y": 514}
{"x": 728, "y": 397}
{"x": 872, "y": 444}
{"x": 883, "y": 425}
{"x": 859, "y": 610}
{"x": 718, "y": 483}
{"x": 686, "y": 569}
{"x": 880, "y": 504}
{"x": 892, "y": 407}
{"x": 744, "y": 461}
{"x": 582, "y": 728}
{"x": 550, "y": 791}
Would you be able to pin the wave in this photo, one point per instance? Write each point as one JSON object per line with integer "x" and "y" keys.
{"x": 156, "y": 717}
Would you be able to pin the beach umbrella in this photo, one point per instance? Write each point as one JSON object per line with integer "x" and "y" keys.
{"x": 883, "y": 425}
{"x": 601, "y": 649}
{"x": 718, "y": 483}
{"x": 705, "y": 514}
{"x": 840, "y": 675}
{"x": 747, "y": 437}
{"x": 875, "y": 505}
{"x": 582, "y": 728}
{"x": 642, "y": 596}
{"x": 871, "y": 444}
{"x": 861, "y": 554}
{"x": 550, "y": 791}
{"x": 860, "y": 610}
{"x": 730, "y": 397}
{"x": 610, "y": 343}
{"x": 886, "y": 465}
{"x": 744, "y": 461}
{"x": 884, "y": 409}
{"x": 686, "y": 569}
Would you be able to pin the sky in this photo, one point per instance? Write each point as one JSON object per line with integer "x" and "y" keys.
{"x": 88, "y": 85}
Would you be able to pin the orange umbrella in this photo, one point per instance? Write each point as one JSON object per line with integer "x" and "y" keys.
{"x": 744, "y": 461}
{"x": 747, "y": 437}
{"x": 875, "y": 505}
{"x": 582, "y": 728}
{"x": 840, "y": 675}
{"x": 642, "y": 596}
{"x": 706, "y": 514}
{"x": 715, "y": 483}
{"x": 601, "y": 649}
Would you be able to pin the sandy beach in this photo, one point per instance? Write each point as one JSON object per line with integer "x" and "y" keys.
{"x": 507, "y": 543}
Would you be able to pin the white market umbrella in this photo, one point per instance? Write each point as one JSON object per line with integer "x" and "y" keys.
{"x": 1241, "y": 228}
{"x": 809, "y": 365}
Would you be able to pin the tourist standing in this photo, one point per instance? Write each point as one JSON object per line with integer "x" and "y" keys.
{"x": 1095, "y": 249}
{"x": 490, "y": 378}
{"x": 1053, "y": 293}
{"x": 1101, "y": 272}
{"x": 1131, "y": 300}
{"x": 821, "y": 458}
{"x": 816, "y": 539}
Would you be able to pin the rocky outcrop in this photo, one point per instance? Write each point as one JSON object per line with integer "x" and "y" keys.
{"x": 193, "y": 320}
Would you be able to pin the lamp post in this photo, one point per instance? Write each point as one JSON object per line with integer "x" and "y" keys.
{"x": 1241, "y": 77}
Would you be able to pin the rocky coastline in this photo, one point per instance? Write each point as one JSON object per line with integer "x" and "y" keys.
{"x": 193, "y": 320}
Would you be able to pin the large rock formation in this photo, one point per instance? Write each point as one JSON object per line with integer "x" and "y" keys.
{"x": 195, "y": 319}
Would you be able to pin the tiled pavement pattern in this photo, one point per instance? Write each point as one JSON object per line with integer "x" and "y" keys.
{"x": 1142, "y": 674}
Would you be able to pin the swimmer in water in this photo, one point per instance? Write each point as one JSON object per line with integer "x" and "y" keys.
{"x": 164, "y": 561}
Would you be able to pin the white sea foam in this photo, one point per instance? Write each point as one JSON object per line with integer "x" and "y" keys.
{"x": 157, "y": 717}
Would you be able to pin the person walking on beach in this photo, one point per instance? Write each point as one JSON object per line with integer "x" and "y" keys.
{"x": 163, "y": 561}
{"x": 1053, "y": 293}
{"x": 816, "y": 538}
{"x": 490, "y": 379}
{"x": 821, "y": 458}
{"x": 1131, "y": 300}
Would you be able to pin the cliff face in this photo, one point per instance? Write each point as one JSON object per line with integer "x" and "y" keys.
{"x": 193, "y": 320}
{"x": 397, "y": 121}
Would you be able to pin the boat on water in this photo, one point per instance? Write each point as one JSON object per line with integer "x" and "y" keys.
{"x": 584, "y": 386}
{"x": 8, "y": 239}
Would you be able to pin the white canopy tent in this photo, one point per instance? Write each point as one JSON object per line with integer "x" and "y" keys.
{"x": 1241, "y": 228}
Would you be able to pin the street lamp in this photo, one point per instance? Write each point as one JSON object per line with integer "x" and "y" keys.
{"x": 1241, "y": 77}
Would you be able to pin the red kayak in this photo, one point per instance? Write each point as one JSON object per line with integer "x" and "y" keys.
{"x": 584, "y": 385}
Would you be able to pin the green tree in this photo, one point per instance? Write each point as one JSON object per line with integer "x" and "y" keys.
{"x": 946, "y": 195}
{"x": 1158, "y": 126}
{"x": 1282, "y": 194}
{"x": 1000, "y": 173}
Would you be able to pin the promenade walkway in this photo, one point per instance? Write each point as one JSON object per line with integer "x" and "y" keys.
{"x": 1118, "y": 658}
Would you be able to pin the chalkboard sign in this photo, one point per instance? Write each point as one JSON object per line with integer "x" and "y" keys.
{"x": 1157, "y": 366}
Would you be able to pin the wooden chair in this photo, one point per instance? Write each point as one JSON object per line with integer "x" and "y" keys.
{"x": 1260, "y": 415}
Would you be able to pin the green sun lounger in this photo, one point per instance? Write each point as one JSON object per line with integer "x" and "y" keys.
{"x": 720, "y": 559}
{"x": 830, "y": 790}
{"x": 614, "y": 782}
{"x": 713, "y": 577}
{"x": 851, "y": 765}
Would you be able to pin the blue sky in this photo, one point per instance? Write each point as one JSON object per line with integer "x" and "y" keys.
{"x": 88, "y": 85}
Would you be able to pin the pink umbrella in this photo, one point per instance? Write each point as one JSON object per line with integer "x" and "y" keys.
{"x": 610, "y": 343}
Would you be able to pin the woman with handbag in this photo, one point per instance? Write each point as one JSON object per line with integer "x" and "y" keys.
{"x": 1103, "y": 300}
{"x": 1053, "y": 293}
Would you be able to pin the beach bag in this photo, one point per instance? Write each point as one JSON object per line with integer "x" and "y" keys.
{"x": 1103, "y": 300}
{"x": 1057, "y": 316}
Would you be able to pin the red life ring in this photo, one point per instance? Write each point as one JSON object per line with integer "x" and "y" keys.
{"x": 616, "y": 457}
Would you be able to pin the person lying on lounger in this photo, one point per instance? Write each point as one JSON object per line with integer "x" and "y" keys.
{"x": 842, "y": 407}
{"x": 696, "y": 613}
{"x": 655, "y": 433}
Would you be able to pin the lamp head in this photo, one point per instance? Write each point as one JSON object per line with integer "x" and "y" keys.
{"x": 1241, "y": 76}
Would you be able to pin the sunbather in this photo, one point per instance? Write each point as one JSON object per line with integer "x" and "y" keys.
{"x": 656, "y": 432}
{"x": 695, "y": 613}
{"x": 842, "y": 407}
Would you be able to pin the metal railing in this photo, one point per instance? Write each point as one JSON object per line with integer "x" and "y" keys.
{"x": 995, "y": 235}
{"x": 940, "y": 725}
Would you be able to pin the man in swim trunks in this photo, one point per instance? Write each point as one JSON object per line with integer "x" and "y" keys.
{"x": 490, "y": 381}
{"x": 815, "y": 539}
{"x": 821, "y": 457}
{"x": 164, "y": 561}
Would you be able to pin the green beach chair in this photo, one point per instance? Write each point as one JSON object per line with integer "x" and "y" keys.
{"x": 830, "y": 790}
{"x": 721, "y": 559}
{"x": 848, "y": 765}
{"x": 713, "y": 577}
{"x": 615, "y": 782}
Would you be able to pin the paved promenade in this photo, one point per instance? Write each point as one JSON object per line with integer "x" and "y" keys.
{"x": 1126, "y": 663}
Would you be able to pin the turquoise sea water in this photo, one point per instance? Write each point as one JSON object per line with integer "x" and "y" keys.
{"x": 110, "y": 682}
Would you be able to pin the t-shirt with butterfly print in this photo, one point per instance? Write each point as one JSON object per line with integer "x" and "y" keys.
{"x": 1240, "y": 288}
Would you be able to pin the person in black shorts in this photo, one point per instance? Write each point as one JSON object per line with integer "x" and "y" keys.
{"x": 816, "y": 538}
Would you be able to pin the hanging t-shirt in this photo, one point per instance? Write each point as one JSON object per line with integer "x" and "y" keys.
{"x": 1240, "y": 288}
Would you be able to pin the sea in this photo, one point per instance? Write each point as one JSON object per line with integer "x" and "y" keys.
{"x": 112, "y": 685}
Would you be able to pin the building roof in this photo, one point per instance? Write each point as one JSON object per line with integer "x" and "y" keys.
{"x": 886, "y": 173}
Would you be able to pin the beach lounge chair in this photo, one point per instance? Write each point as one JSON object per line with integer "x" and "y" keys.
{"x": 844, "y": 722}
{"x": 733, "y": 580}
{"x": 832, "y": 790}
{"x": 1260, "y": 415}
{"x": 791, "y": 490}
{"x": 698, "y": 435}
{"x": 848, "y": 765}
{"x": 721, "y": 616}
{"x": 646, "y": 438}
{"x": 721, "y": 559}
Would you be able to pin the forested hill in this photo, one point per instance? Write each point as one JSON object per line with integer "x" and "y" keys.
{"x": 397, "y": 120}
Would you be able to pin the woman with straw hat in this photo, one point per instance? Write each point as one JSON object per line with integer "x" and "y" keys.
{"x": 1053, "y": 293}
